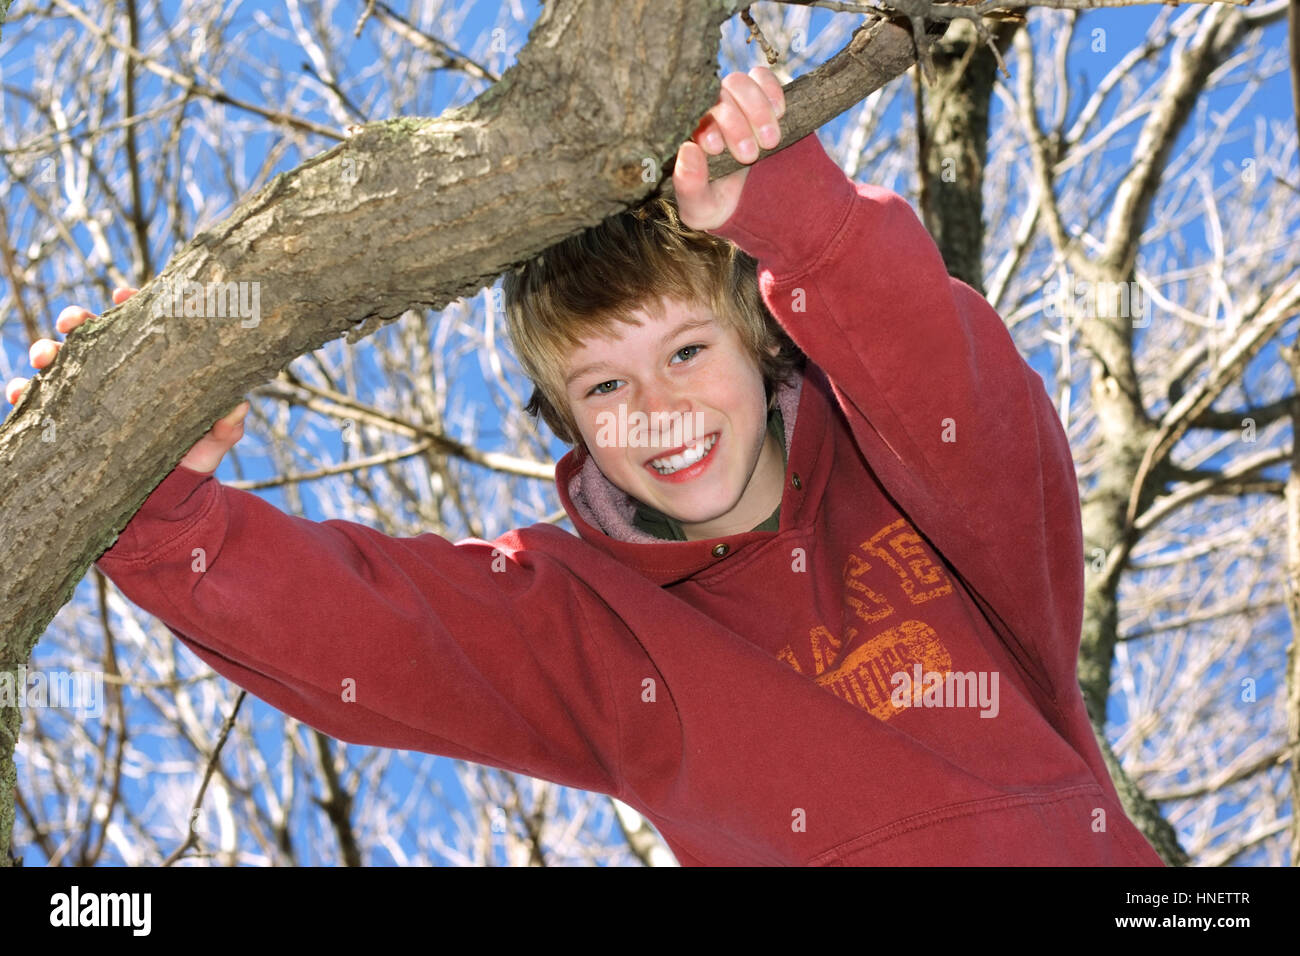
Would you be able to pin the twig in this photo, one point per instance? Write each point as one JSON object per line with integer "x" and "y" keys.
{"x": 756, "y": 34}
{"x": 452, "y": 58}
{"x": 324, "y": 398}
{"x": 384, "y": 458}
{"x": 918, "y": 12}
{"x": 365, "y": 15}
{"x": 188, "y": 82}
{"x": 192, "y": 838}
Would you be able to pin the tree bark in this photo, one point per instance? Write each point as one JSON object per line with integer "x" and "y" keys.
{"x": 952, "y": 146}
{"x": 410, "y": 213}
{"x": 1116, "y": 394}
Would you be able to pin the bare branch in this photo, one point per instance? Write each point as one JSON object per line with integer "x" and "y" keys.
{"x": 192, "y": 839}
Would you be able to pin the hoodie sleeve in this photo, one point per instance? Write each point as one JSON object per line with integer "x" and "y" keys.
{"x": 475, "y": 650}
{"x": 952, "y": 419}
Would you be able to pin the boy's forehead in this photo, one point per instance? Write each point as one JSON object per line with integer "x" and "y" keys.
{"x": 668, "y": 308}
{"x": 675, "y": 311}
{"x": 669, "y": 314}
{"x": 663, "y": 325}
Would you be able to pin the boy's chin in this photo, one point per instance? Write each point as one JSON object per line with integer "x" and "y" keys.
{"x": 683, "y": 511}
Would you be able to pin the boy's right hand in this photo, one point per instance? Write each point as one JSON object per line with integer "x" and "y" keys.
{"x": 210, "y": 449}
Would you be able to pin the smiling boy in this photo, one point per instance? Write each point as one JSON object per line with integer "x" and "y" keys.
{"x": 736, "y": 483}
{"x": 725, "y": 642}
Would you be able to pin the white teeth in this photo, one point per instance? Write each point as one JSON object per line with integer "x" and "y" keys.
{"x": 693, "y": 453}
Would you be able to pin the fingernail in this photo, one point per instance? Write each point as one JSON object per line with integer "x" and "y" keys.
{"x": 769, "y": 136}
{"x": 713, "y": 141}
{"x": 748, "y": 150}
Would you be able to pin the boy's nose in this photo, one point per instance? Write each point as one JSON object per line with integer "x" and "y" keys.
{"x": 668, "y": 412}
{"x": 664, "y": 399}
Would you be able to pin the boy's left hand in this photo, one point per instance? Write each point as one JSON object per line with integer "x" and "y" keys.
{"x": 748, "y": 111}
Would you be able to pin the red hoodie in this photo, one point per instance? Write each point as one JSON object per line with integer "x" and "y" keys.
{"x": 829, "y": 693}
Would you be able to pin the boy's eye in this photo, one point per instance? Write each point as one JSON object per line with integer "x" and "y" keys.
{"x": 601, "y": 390}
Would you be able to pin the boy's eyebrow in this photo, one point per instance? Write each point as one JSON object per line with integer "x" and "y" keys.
{"x": 686, "y": 326}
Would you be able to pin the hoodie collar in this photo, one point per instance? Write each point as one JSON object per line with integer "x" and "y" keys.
{"x": 603, "y": 514}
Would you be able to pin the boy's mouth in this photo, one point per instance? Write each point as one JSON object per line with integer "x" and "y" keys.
{"x": 685, "y": 462}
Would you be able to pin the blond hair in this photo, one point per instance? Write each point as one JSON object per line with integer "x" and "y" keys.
{"x": 572, "y": 291}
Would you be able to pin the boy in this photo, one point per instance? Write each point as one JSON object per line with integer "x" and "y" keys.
{"x": 759, "y": 637}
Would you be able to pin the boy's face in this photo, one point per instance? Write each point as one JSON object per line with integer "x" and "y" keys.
{"x": 658, "y": 386}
